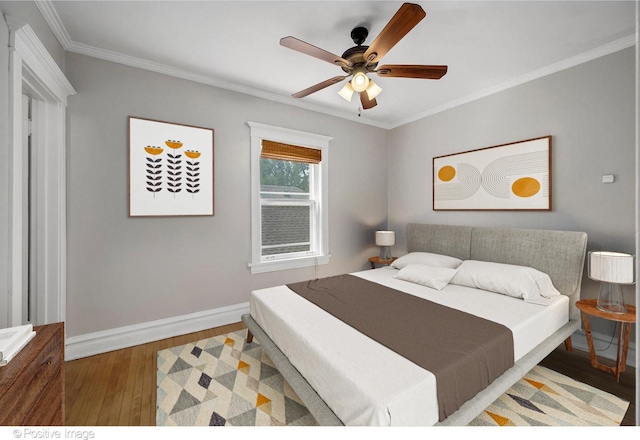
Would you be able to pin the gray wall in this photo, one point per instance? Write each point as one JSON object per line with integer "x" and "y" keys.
{"x": 590, "y": 112}
{"x": 123, "y": 270}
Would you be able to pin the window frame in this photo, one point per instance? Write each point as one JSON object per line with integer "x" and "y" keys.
{"x": 321, "y": 255}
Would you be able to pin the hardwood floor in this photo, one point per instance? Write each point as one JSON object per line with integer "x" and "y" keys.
{"x": 577, "y": 365}
{"x": 119, "y": 388}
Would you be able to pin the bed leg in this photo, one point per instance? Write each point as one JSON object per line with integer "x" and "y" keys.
{"x": 249, "y": 336}
{"x": 567, "y": 344}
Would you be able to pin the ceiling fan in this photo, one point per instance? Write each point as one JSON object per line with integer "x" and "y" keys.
{"x": 360, "y": 60}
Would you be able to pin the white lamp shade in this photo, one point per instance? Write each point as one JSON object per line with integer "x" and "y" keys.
{"x": 360, "y": 80}
{"x": 612, "y": 267}
{"x": 346, "y": 92}
{"x": 373, "y": 90}
{"x": 385, "y": 238}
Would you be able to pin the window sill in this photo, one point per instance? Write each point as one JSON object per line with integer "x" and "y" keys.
{"x": 293, "y": 263}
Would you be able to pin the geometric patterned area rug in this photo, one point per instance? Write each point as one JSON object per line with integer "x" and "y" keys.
{"x": 546, "y": 398}
{"x": 224, "y": 381}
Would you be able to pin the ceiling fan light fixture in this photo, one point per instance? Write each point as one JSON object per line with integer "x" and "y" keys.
{"x": 358, "y": 61}
{"x": 346, "y": 92}
{"x": 360, "y": 80}
{"x": 373, "y": 90}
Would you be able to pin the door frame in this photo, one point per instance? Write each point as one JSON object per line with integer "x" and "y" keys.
{"x": 32, "y": 70}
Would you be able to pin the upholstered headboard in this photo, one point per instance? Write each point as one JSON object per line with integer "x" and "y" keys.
{"x": 560, "y": 254}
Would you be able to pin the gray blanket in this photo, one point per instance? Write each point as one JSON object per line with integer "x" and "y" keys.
{"x": 464, "y": 352}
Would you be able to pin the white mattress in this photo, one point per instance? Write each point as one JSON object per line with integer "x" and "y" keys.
{"x": 365, "y": 383}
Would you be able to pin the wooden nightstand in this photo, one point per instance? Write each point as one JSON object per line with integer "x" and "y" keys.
{"x": 626, "y": 320}
{"x": 377, "y": 260}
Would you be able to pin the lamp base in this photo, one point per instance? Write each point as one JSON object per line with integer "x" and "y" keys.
{"x": 385, "y": 253}
{"x": 611, "y": 299}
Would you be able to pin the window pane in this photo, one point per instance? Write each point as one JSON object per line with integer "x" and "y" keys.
{"x": 284, "y": 250}
{"x": 284, "y": 179}
{"x": 285, "y": 227}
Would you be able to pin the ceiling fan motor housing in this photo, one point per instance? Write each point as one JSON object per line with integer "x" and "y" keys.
{"x": 359, "y": 34}
{"x": 355, "y": 54}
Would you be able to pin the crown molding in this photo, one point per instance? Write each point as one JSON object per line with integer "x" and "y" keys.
{"x": 615, "y": 46}
{"x": 55, "y": 23}
{"x": 53, "y": 19}
{"x": 57, "y": 27}
{"x": 116, "y": 57}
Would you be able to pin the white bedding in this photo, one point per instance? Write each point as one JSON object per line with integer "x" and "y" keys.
{"x": 365, "y": 383}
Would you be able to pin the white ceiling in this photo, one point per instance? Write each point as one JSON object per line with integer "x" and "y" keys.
{"x": 488, "y": 46}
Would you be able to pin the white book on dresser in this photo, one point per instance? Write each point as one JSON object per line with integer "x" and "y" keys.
{"x": 13, "y": 339}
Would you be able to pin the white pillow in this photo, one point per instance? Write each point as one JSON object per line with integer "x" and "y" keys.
{"x": 508, "y": 279}
{"x": 426, "y": 259}
{"x": 434, "y": 277}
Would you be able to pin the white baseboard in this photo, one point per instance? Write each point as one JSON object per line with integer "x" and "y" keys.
{"x": 605, "y": 347}
{"x": 108, "y": 340}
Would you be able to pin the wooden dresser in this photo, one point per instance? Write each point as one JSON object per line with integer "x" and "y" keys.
{"x": 32, "y": 383}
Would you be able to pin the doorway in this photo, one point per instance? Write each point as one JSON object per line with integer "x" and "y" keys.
{"x": 38, "y": 90}
{"x": 30, "y": 236}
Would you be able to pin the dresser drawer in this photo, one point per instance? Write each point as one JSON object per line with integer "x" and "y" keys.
{"x": 32, "y": 384}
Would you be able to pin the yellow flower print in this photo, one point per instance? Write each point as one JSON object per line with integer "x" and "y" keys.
{"x": 153, "y": 150}
{"x": 173, "y": 144}
{"x": 192, "y": 154}
{"x": 153, "y": 166}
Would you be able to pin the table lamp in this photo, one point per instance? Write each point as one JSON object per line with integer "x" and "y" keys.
{"x": 612, "y": 269}
{"x": 385, "y": 239}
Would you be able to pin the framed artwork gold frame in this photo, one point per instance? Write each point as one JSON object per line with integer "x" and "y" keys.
{"x": 507, "y": 177}
{"x": 170, "y": 169}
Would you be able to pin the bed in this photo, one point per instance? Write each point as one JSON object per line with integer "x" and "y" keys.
{"x": 345, "y": 377}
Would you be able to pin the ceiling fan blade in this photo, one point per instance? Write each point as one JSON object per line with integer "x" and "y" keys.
{"x": 400, "y": 24}
{"x": 366, "y": 102}
{"x": 411, "y": 71}
{"x": 319, "y": 86}
{"x": 316, "y": 52}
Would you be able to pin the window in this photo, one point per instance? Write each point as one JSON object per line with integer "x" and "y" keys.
{"x": 289, "y": 221}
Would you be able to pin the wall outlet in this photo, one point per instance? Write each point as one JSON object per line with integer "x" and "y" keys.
{"x": 608, "y": 178}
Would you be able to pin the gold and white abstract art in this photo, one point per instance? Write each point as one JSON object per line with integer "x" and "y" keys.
{"x": 515, "y": 176}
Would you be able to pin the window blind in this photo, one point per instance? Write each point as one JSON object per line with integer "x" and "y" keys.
{"x": 293, "y": 153}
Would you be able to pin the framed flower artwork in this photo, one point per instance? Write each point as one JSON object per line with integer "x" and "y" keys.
{"x": 170, "y": 169}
